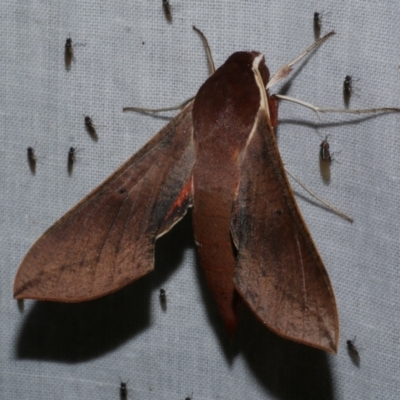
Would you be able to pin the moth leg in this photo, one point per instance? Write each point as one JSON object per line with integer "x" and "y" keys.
{"x": 157, "y": 110}
{"x": 286, "y": 69}
{"x": 324, "y": 202}
{"x": 187, "y": 101}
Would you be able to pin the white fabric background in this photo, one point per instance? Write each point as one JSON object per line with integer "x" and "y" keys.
{"x": 133, "y": 57}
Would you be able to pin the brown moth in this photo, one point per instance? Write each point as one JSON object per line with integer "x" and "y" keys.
{"x": 219, "y": 155}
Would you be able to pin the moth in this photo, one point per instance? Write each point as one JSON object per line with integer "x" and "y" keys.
{"x": 218, "y": 156}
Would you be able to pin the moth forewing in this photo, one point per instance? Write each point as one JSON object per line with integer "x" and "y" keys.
{"x": 276, "y": 255}
{"x": 282, "y": 215}
{"x": 107, "y": 240}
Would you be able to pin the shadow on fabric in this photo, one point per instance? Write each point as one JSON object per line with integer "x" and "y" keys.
{"x": 75, "y": 332}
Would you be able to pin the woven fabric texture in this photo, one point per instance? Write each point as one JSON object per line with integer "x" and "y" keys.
{"x": 127, "y": 54}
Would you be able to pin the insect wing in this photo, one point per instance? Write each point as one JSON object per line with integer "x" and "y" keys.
{"x": 279, "y": 272}
{"x": 107, "y": 240}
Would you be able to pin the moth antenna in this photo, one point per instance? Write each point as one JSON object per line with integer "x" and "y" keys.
{"x": 330, "y": 206}
{"x": 286, "y": 69}
{"x": 186, "y": 102}
{"x": 208, "y": 50}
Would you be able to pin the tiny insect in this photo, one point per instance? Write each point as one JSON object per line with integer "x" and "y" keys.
{"x": 347, "y": 89}
{"x": 68, "y": 53}
{"x": 325, "y": 160}
{"x": 324, "y": 152}
{"x": 123, "y": 391}
{"x": 318, "y": 18}
{"x": 167, "y": 10}
{"x": 353, "y": 351}
{"x": 90, "y": 127}
{"x": 71, "y": 159}
{"x": 163, "y": 299}
{"x": 317, "y": 25}
{"x": 31, "y": 159}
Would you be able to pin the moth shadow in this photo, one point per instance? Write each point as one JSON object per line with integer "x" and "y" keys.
{"x": 76, "y": 332}
{"x": 287, "y": 369}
